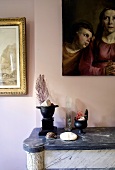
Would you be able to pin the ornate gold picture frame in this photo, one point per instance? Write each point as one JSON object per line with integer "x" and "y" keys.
{"x": 12, "y": 56}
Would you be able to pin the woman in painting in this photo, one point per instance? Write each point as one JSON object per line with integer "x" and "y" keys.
{"x": 81, "y": 35}
{"x": 99, "y": 58}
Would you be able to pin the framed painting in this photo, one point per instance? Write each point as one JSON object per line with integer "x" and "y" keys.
{"x": 12, "y": 56}
{"x": 88, "y": 38}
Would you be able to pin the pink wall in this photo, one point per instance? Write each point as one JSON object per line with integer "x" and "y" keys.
{"x": 18, "y": 114}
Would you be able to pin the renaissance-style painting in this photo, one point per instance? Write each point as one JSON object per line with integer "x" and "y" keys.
{"x": 88, "y": 37}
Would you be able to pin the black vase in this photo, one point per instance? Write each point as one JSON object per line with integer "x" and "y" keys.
{"x": 80, "y": 125}
{"x": 47, "y": 121}
{"x": 47, "y": 111}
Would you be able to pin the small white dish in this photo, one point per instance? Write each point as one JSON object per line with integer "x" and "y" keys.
{"x": 69, "y": 136}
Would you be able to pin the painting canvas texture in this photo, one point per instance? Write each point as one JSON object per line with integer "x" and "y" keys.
{"x": 88, "y": 37}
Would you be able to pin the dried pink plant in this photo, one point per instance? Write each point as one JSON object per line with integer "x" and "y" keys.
{"x": 79, "y": 115}
{"x": 41, "y": 88}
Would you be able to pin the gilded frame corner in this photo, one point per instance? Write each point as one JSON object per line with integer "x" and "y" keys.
{"x": 13, "y": 78}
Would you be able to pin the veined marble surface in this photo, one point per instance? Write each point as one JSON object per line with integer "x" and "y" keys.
{"x": 94, "y": 150}
{"x": 56, "y": 159}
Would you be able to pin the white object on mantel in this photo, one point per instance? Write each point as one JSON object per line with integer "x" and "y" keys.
{"x": 81, "y": 118}
{"x": 68, "y": 136}
{"x": 46, "y": 103}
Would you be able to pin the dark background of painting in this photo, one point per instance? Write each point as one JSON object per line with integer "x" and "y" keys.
{"x": 75, "y": 10}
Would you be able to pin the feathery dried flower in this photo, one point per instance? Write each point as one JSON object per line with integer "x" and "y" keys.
{"x": 41, "y": 88}
{"x": 79, "y": 115}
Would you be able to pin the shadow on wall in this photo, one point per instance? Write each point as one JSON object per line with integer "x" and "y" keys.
{"x": 61, "y": 113}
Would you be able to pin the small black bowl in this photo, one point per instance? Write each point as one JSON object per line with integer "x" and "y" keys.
{"x": 47, "y": 111}
{"x": 80, "y": 125}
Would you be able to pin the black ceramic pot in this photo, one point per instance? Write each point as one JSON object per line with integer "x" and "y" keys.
{"x": 47, "y": 111}
{"x": 80, "y": 125}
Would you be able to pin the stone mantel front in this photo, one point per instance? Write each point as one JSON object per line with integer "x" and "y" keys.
{"x": 94, "y": 149}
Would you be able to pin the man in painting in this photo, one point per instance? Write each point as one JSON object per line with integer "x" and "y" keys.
{"x": 82, "y": 33}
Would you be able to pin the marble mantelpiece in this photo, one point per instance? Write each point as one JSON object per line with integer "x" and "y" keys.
{"x": 94, "y": 149}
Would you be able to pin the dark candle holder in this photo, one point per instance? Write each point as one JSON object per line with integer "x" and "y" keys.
{"x": 81, "y": 124}
{"x": 47, "y": 121}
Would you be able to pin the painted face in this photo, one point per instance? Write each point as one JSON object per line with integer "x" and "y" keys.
{"x": 83, "y": 38}
{"x": 109, "y": 21}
